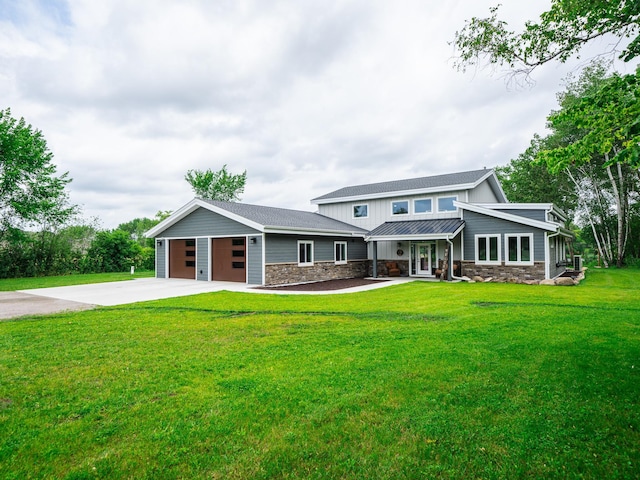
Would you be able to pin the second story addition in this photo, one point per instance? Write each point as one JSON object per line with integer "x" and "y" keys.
{"x": 425, "y": 198}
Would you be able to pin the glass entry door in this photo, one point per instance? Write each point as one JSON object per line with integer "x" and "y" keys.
{"x": 425, "y": 258}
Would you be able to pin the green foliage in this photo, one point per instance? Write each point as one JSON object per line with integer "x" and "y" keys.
{"x": 113, "y": 252}
{"x": 220, "y": 185}
{"x": 30, "y": 192}
{"x": 27, "y": 283}
{"x": 423, "y": 380}
{"x": 560, "y": 33}
{"x": 139, "y": 226}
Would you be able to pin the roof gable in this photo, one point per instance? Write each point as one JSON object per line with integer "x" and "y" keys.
{"x": 437, "y": 183}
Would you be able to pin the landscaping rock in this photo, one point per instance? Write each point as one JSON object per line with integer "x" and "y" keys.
{"x": 477, "y": 278}
{"x": 547, "y": 281}
{"x": 565, "y": 281}
{"x": 488, "y": 280}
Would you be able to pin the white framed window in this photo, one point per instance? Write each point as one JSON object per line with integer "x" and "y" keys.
{"x": 400, "y": 207}
{"x": 305, "y": 253}
{"x": 488, "y": 249}
{"x": 445, "y": 204}
{"x": 361, "y": 211}
{"x": 340, "y": 252}
{"x": 519, "y": 249}
{"x": 423, "y": 205}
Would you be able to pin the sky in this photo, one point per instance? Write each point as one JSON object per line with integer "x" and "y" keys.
{"x": 306, "y": 96}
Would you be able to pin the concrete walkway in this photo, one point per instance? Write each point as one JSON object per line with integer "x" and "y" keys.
{"x": 42, "y": 301}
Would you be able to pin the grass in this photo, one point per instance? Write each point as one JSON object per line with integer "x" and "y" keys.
{"x": 11, "y": 284}
{"x": 422, "y": 380}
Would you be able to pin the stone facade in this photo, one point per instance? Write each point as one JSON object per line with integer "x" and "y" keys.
{"x": 504, "y": 272}
{"x": 286, "y": 273}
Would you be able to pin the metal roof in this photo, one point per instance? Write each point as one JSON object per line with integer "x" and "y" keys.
{"x": 414, "y": 228}
{"x": 285, "y": 218}
{"x": 423, "y": 183}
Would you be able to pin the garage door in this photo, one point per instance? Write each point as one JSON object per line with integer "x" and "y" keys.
{"x": 182, "y": 258}
{"x": 229, "y": 259}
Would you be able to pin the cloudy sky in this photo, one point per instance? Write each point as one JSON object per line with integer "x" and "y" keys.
{"x": 306, "y": 95}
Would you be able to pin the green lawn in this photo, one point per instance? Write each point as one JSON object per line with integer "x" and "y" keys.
{"x": 11, "y": 284}
{"x": 422, "y": 380}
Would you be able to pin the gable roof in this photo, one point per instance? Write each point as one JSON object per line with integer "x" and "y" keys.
{"x": 423, "y": 229}
{"x": 437, "y": 183}
{"x": 263, "y": 219}
{"x": 550, "y": 227}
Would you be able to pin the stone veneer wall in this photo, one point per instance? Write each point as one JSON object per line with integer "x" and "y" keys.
{"x": 506, "y": 272}
{"x": 286, "y": 273}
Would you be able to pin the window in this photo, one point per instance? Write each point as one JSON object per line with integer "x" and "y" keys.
{"x": 237, "y": 264}
{"x": 519, "y": 249}
{"x": 360, "y": 211}
{"x": 488, "y": 249}
{"x": 445, "y": 204}
{"x": 305, "y": 253}
{"x": 423, "y": 205}
{"x": 237, "y": 242}
{"x": 340, "y": 249}
{"x": 400, "y": 208}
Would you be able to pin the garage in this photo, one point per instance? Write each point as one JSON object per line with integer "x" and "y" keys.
{"x": 229, "y": 263}
{"x": 182, "y": 258}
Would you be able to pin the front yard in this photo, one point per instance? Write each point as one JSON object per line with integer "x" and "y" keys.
{"x": 422, "y": 380}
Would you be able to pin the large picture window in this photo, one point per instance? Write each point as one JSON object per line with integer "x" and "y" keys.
{"x": 422, "y": 205}
{"x": 361, "y": 211}
{"x": 445, "y": 204}
{"x": 305, "y": 253}
{"x": 488, "y": 249}
{"x": 340, "y": 249}
{"x": 519, "y": 249}
{"x": 400, "y": 208}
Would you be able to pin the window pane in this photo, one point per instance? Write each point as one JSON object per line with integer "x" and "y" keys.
{"x": 482, "y": 249}
{"x": 513, "y": 249}
{"x": 309, "y": 256}
{"x": 445, "y": 204}
{"x": 493, "y": 249}
{"x": 422, "y": 206}
{"x": 360, "y": 211}
{"x": 400, "y": 208}
{"x": 525, "y": 248}
{"x": 302, "y": 253}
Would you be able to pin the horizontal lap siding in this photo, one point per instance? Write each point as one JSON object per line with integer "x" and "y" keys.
{"x": 160, "y": 260}
{"x": 284, "y": 248}
{"x": 254, "y": 261}
{"x": 533, "y": 214}
{"x": 202, "y": 223}
{"x": 478, "y": 224}
{"x": 202, "y": 261}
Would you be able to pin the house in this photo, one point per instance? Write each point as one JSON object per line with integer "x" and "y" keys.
{"x": 455, "y": 224}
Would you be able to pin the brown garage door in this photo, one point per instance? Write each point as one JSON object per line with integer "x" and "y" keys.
{"x": 229, "y": 262}
{"x": 182, "y": 258}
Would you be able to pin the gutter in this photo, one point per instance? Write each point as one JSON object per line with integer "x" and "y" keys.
{"x": 448, "y": 239}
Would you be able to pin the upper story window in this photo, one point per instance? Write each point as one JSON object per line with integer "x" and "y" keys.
{"x": 445, "y": 204}
{"x": 400, "y": 208}
{"x": 340, "y": 249}
{"x": 488, "y": 249}
{"x": 519, "y": 249}
{"x": 305, "y": 253}
{"x": 423, "y": 205}
{"x": 361, "y": 211}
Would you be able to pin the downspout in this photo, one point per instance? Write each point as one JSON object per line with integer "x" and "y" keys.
{"x": 448, "y": 239}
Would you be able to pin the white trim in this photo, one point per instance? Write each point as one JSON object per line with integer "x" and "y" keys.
{"x": 413, "y": 206}
{"x": 307, "y": 263}
{"x": 550, "y": 227}
{"x": 311, "y": 231}
{"x": 166, "y": 259}
{"x": 407, "y": 201}
{"x": 343, "y": 261}
{"x": 518, "y": 236}
{"x": 209, "y": 258}
{"x": 264, "y": 260}
{"x": 487, "y": 236}
{"x": 353, "y": 217}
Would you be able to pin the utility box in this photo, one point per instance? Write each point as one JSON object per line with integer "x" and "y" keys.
{"x": 577, "y": 263}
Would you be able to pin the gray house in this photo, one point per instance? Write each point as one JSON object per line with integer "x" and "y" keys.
{"x": 458, "y": 223}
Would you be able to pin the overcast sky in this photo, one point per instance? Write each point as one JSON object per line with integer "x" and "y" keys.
{"x": 307, "y": 96}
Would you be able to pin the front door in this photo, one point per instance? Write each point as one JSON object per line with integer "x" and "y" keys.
{"x": 425, "y": 258}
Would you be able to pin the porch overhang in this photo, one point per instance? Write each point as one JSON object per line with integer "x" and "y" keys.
{"x": 441, "y": 229}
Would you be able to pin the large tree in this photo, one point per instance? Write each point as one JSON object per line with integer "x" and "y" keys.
{"x": 31, "y": 194}
{"x": 560, "y": 33}
{"x": 220, "y": 185}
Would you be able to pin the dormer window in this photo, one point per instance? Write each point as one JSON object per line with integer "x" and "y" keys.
{"x": 400, "y": 207}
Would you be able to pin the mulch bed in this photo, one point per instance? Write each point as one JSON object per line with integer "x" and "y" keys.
{"x": 325, "y": 285}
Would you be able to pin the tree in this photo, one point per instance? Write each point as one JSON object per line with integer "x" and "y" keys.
{"x": 561, "y": 33}
{"x": 137, "y": 227}
{"x": 112, "y": 252}
{"x": 30, "y": 192}
{"x": 220, "y": 185}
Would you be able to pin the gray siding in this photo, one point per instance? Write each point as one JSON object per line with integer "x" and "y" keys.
{"x": 160, "y": 259}
{"x": 478, "y": 224}
{"x": 254, "y": 261}
{"x": 531, "y": 214}
{"x": 202, "y": 260}
{"x": 284, "y": 248}
{"x": 203, "y": 222}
